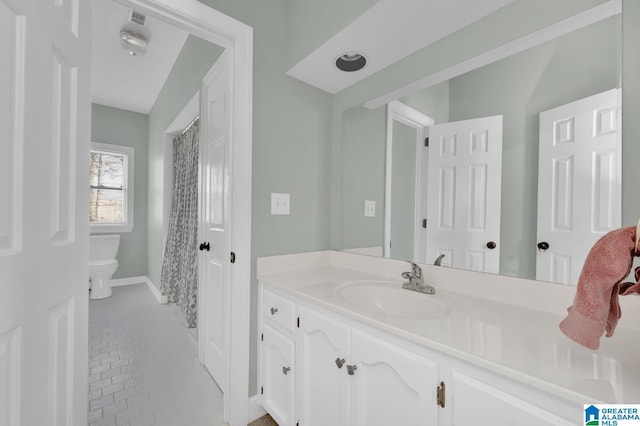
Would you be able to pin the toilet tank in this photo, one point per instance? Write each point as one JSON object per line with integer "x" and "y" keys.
{"x": 103, "y": 247}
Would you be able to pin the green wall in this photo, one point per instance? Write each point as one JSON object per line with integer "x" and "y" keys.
{"x": 403, "y": 189}
{"x": 126, "y": 128}
{"x": 194, "y": 61}
{"x": 363, "y": 152}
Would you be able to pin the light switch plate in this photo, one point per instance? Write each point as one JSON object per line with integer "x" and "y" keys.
{"x": 280, "y": 203}
{"x": 369, "y": 208}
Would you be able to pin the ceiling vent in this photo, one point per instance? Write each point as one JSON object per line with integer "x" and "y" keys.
{"x": 137, "y": 17}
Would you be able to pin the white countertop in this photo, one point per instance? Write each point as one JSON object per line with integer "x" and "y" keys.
{"x": 507, "y": 325}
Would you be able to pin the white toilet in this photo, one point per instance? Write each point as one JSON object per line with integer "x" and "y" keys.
{"x": 102, "y": 263}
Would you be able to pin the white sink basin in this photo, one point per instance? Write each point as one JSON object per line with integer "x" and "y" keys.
{"x": 390, "y": 298}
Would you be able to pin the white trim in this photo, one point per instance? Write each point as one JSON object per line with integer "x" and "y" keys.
{"x": 397, "y": 111}
{"x": 215, "y": 27}
{"x": 575, "y": 22}
{"x": 256, "y": 410}
{"x": 142, "y": 279}
{"x": 129, "y": 181}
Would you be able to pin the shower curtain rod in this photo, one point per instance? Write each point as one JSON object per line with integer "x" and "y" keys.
{"x": 189, "y": 125}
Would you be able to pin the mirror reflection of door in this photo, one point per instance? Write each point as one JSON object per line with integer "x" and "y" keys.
{"x": 579, "y": 183}
{"x": 403, "y": 191}
{"x": 464, "y": 194}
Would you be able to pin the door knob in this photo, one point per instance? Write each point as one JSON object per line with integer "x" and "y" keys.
{"x": 491, "y": 245}
{"x": 340, "y": 362}
{"x": 205, "y": 246}
{"x": 543, "y": 246}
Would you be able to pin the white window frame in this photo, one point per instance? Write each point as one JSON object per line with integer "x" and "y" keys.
{"x": 127, "y": 226}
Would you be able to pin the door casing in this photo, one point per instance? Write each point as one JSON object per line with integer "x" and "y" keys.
{"x": 237, "y": 38}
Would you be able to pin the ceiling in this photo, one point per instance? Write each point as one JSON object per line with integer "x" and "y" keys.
{"x": 124, "y": 81}
{"x": 387, "y": 32}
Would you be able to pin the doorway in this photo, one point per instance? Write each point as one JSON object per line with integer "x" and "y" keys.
{"x": 237, "y": 38}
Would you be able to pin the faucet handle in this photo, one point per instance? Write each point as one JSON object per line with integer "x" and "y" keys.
{"x": 415, "y": 269}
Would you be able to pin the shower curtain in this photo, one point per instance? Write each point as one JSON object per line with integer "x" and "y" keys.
{"x": 179, "y": 279}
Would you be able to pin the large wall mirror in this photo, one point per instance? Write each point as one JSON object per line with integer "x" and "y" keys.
{"x": 559, "y": 109}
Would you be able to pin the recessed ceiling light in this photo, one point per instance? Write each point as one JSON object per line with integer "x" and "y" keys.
{"x": 351, "y": 61}
{"x": 133, "y": 42}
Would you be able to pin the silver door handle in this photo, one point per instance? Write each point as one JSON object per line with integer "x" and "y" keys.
{"x": 274, "y": 311}
{"x": 351, "y": 369}
{"x": 340, "y": 362}
{"x": 285, "y": 370}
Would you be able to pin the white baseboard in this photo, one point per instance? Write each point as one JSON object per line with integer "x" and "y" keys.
{"x": 143, "y": 279}
{"x": 117, "y": 282}
{"x": 255, "y": 408}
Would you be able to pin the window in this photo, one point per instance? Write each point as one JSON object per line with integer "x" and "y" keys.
{"x": 111, "y": 188}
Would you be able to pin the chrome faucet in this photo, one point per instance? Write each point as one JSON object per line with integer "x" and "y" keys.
{"x": 416, "y": 280}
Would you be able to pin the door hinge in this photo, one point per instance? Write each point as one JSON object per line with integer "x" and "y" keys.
{"x": 424, "y": 223}
{"x": 233, "y": 257}
{"x": 298, "y": 322}
{"x": 426, "y": 142}
{"x": 261, "y": 390}
{"x": 262, "y": 337}
{"x": 441, "y": 394}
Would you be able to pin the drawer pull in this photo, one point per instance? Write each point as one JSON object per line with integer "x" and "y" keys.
{"x": 274, "y": 311}
{"x": 285, "y": 370}
{"x": 441, "y": 394}
{"x": 340, "y": 362}
{"x": 351, "y": 369}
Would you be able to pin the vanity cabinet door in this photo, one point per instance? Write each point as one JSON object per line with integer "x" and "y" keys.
{"x": 323, "y": 383}
{"x": 278, "y": 373}
{"x": 391, "y": 386}
{"x": 477, "y": 402}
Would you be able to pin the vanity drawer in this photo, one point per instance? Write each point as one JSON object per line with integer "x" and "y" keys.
{"x": 278, "y": 310}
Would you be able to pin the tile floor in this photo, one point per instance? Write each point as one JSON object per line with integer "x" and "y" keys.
{"x": 143, "y": 368}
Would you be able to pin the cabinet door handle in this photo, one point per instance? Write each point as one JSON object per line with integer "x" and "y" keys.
{"x": 351, "y": 369}
{"x": 285, "y": 370}
{"x": 441, "y": 394}
{"x": 274, "y": 311}
{"x": 339, "y": 362}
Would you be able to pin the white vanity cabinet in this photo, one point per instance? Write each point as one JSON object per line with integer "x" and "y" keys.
{"x": 278, "y": 357}
{"x": 391, "y": 386}
{"x": 340, "y": 371}
{"x": 348, "y": 377}
{"x": 279, "y": 375}
{"x": 323, "y": 346}
{"x": 482, "y": 400}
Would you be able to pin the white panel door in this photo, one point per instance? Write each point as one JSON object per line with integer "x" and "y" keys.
{"x": 278, "y": 376}
{"x": 324, "y": 388}
{"x": 464, "y": 193}
{"x": 390, "y": 385}
{"x": 213, "y": 282}
{"x": 44, "y": 162}
{"x": 579, "y": 183}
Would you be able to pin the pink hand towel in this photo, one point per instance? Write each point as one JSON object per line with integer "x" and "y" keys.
{"x": 595, "y": 307}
